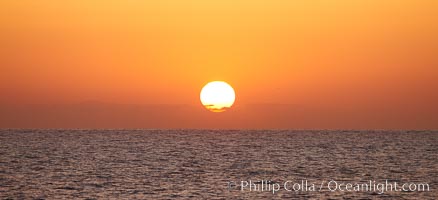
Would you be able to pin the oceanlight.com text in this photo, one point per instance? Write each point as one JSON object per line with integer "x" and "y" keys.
{"x": 372, "y": 186}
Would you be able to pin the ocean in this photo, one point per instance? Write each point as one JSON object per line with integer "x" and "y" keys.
{"x": 218, "y": 164}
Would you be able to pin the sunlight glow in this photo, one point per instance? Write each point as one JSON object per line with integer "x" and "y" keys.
{"x": 217, "y": 96}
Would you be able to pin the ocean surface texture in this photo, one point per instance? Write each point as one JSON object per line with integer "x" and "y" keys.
{"x": 214, "y": 164}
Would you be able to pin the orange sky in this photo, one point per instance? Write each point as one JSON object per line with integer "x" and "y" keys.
{"x": 294, "y": 64}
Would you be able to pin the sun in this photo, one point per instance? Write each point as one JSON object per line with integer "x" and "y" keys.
{"x": 217, "y": 96}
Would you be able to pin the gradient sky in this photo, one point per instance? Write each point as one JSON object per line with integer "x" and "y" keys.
{"x": 338, "y": 64}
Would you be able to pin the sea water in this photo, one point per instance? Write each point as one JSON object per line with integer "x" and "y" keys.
{"x": 217, "y": 164}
